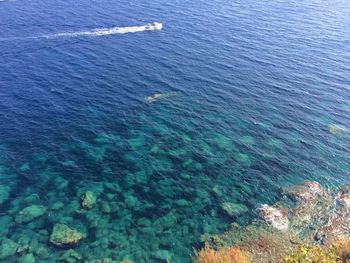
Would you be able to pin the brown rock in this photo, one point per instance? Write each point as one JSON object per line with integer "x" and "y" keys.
{"x": 308, "y": 192}
{"x": 336, "y": 228}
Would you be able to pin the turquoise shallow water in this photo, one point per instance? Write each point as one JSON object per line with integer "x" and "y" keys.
{"x": 258, "y": 88}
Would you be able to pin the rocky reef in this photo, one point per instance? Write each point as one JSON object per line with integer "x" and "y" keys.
{"x": 30, "y": 213}
{"x": 306, "y": 220}
{"x": 308, "y": 224}
{"x": 63, "y": 236}
{"x": 88, "y": 200}
{"x": 233, "y": 209}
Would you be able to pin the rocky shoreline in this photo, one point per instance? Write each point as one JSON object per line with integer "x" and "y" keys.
{"x": 306, "y": 215}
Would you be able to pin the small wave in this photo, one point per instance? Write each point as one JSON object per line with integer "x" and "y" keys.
{"x": 96, "y": 32}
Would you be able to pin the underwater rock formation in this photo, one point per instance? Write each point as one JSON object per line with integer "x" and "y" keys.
{"x": 70, "y": 256}
{"x": 8, "y": 248}
{"x": 233, "y": 209}
{"x": 4, "y": 193}
{"x": 27, "y": 258}
{"x": 162, "y": 255}
{"x": 62, "y": 236}
{"x": 243, "y": 159}
{"x": 30, "y": 213}
{"x": 88, "y": 200}
{"x": 277, "y": 218}
{"x": 106, "y": 260}
{"x": 337, "y": 129}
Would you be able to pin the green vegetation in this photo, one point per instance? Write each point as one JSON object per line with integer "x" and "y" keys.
{"x": 313, "y": 254}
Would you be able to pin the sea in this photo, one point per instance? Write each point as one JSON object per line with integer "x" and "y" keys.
{"x": 222, "y": 101}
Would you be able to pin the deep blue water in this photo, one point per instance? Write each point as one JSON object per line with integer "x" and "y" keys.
{"x": 258, "y": 85}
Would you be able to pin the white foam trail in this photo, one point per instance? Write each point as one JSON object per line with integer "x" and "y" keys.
{"x": 108, "y": 31}
{"x": 95, "y": 32}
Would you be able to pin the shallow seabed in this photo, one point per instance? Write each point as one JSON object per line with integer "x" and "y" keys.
{"x": 261, "y": 102}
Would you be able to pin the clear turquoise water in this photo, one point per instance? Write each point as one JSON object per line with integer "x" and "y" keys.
{"x": 258, "y": 85}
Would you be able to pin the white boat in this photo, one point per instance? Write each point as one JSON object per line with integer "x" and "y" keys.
{"x": 154, "y": 26}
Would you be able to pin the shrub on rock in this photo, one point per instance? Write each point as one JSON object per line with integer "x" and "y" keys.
{"x": 223, "y": 255}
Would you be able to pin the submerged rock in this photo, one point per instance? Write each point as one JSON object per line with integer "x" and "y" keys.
{"x": 57, "y": 206}
{"x": 88, "y": 200}
{"x": 192, "y": 165}
{"x": 217, "y": 191}
{"x": 30, "y": 213}
{"x": 70, "y": 256}
{"x": 163, "y": 255}
{"x": 8, "y": 248}
{"x": 234, "y": 209}
{"x": 168, "y": 221}
{"x": 6, "y": 223}
{"x": 137, "y": 142}
{"x": 182, "y": 202}
{"x": 144, "y": 222}
{"x": 106, "y": 208}
{"x": 62, "y": 235}
{"x": 4, "y": 193}
{"x": 223, "y": 142}
{"x": 243, "y": 159}
{"x": 247, "y": 140}
{"x": 277, "y": 218}
{"x": 131, "y": 201}
{"x": 105, "y": 260}
{"x": 27, "y": 258}
{"x": 60, "y": 183}
{"x": 337, "y": 129}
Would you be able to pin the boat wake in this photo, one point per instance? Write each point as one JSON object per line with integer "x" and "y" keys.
{"x": 97, "y": 32}
{"x": 108, "y": 31}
